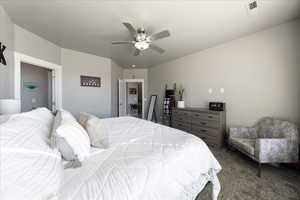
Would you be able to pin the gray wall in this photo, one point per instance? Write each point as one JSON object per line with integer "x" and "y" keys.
{"x": 86, "y": 99}
{"x": 260, "y": 74}
{"x": 7, "y": 72}
{"x": 35, "y": 46}
{"x": 101, "y": 101}
{"x": 116, "y": 74}
{"x": 39, "y": 76}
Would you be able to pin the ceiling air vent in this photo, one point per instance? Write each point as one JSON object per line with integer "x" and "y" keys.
{"x": 252, "y": 6}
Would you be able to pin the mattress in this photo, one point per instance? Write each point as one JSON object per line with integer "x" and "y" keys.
{"x": 144, "y": 161}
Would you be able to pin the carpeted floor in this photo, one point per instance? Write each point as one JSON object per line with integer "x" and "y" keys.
{"x": 239, "y": 180}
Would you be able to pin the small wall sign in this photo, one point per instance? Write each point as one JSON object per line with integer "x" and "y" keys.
{"x": 2, "y": 58}
{"x": 30, "y": 87}
{"x": 90, "y": 81}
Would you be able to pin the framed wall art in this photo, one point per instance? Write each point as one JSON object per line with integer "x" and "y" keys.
{"x": 30, "y": 86}
{"x": 90, "y": 81}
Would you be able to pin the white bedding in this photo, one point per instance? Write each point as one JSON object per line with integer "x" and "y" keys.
{"x": 144, "y": 161}
{"x": 29, "y": 168}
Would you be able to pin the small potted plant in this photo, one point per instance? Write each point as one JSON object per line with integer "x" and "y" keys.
{"x": 180, "y": 103}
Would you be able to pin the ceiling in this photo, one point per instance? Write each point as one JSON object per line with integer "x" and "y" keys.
{"x": 90, "y": 25}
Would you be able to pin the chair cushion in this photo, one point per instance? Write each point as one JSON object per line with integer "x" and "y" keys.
{"x": 247, "y": 145}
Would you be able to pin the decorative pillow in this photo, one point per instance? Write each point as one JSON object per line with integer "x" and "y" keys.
{"x": 84, "y": 117}
{"x": 28, "y": 164}
{"x": 42, "y": 116}
{"x": 98, "y": 132}
{"x": 4, "y": 118}
{"x": 70, "y": 138}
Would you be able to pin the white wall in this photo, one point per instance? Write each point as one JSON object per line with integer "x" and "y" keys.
{"x": 116, "y": 74}
{"x": 32, "y": 45}
{"x": 86, "y": 99}
{"x": 100, "y": 101}
{"x": 7, "y": 72}
{"x": 260, "y": 74}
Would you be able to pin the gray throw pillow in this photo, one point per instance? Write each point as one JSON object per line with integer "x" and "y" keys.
{"x": 62, "y": 145}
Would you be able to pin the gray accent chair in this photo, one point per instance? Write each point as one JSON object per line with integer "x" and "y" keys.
{"x": 269, "y": 141}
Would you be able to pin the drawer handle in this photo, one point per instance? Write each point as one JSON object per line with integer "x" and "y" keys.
{"x": 210, "y": 117}
{"x": 203, "y": 123}
{"x": 197, "y": 115}
{"x": 203, "y": 130}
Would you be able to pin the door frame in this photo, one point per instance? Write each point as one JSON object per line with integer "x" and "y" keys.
{"x": 143, "y": 93}
{"x": 56, "y": 73}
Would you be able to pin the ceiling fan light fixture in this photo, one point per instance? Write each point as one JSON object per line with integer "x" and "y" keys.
{"x": 141, "y": 40}
{"x": 142, "y": 45}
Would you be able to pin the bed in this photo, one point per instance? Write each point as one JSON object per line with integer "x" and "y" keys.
{"x": 143, "y": 160}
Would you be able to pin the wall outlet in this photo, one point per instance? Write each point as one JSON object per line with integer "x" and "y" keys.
{"x": 222, "y": 90}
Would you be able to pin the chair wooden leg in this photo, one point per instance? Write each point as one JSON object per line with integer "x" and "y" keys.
{"x": 259, "y": 170}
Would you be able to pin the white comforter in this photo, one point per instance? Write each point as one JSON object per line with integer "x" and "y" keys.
{"x": 144, "y": 161}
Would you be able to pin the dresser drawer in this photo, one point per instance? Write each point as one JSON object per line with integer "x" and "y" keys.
{"x": 183, "y": 118}
{"x": 181, "y": 113}
{"x": 181, "y": 125}
{"x": 211, "y": 143}
{"x": 205, "y": 116}
{"x": 213, "y": 133}
{"x": 206, "y": 124}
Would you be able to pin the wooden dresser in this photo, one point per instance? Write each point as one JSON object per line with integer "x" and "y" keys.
{"x": 209, "y": 125}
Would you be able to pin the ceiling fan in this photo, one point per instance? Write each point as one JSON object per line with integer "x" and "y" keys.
{"x": 142, "y": 40}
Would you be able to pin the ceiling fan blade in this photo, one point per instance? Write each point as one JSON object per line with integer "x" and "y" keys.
{"x": 157, "y": 48}
{"x": 121, "y": 42}
{"x": 130, "y": 28}
{"x": 136, "y": 52}
{"x": 160, "y": 35}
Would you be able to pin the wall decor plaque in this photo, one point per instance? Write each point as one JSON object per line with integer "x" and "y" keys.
{"x": 2, "y": 58}
{"x": 30, "y": 86}
{"x": 90, "y": 81}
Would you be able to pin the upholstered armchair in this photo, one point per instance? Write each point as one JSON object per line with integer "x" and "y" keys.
{"x": 269, "y": 141}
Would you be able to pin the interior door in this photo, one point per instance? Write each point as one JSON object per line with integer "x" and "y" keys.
{"x": 122, "y": 98}
{"x": 53, "y": 95}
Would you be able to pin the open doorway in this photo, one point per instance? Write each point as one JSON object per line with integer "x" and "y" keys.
{"x": 131, "y": 98}
{"x": 134, "y": 99}
{"x": 54, "y": 74}
{"x": 36, "y": 87}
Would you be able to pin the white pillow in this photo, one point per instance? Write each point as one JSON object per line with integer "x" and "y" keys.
{"x": 70, "y": 138}
{"x": 98, "y": 132}
{"x": 84, "y": 117}
{"x": 41, "y": 116}
{"x": 30, "y": 169}
{"x": 4, "y": 118}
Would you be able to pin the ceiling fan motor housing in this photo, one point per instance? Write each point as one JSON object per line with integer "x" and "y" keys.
{"x": 142, "y": 40}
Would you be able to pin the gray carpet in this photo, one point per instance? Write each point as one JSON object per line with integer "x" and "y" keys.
{"x": 239, "y": 180}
